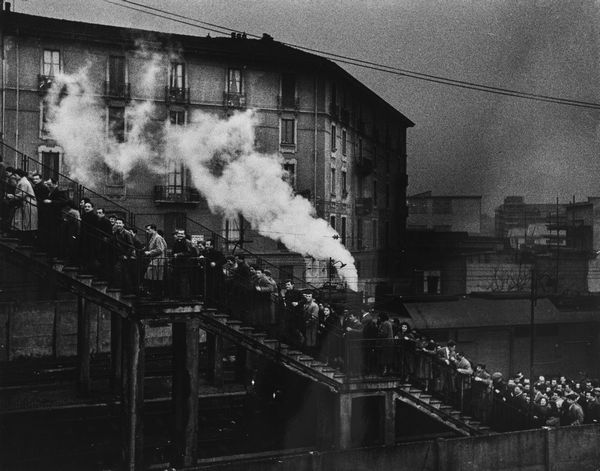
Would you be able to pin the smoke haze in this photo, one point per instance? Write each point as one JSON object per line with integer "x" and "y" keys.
{"x": 224, "y": 166}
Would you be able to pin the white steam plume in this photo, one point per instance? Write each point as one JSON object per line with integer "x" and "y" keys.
{"x": 233, "y": 177}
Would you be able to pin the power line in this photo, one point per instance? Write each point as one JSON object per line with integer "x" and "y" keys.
{"x": 161, "y": 13}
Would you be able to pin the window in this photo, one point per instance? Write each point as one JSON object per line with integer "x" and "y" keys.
{"x": 333, "y": 138}
{"x": 344, "y": 184}
{"x": 114, "y": 178}
{"x": 232, "y": 229}
{"x": 116, "y": 75}
{"x": 386, "y": 234}
{"x": 177, "y": 117}
{"x": 234, "y": 81}
{"x": 290, "y": 173}
{"x": 50, "y": 164}
{"x": 359, "y": 234}
{"x": 332, "y": 221}
{"x": 343, "y": 231}
{"x": 288, "y": 131}
{"x": 374, "y": 193}
{"x": 442, "y": 206}
{"x": 374, "y": 233}
{"x": 387, "y": 195}
{"x": 333, "y": 94}
{"x": 288, "y": 90}
{"x": 177, "y": 75}
{"x": 116, "y": 123}
{"x": 51, "y": 64}
{"x": 333, "y": 181}
{"x": 344, "y": 138}
{"x": 176, "y": 178}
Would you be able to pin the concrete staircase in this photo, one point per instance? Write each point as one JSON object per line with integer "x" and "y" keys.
{"x": 440, "y": 411}
{"x": 95, "y": 290}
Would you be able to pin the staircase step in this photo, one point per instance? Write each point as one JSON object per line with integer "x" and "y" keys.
{"x": 86, "y": 279}
{"x": 12, "y": 241}
{"x": 71, "y": 271}
{"x": 222, "y": 318}
{"x": 114, "y": 293}
{"x": 271, "y": 343}
{"x": 484, "y": 428}
{"x": 305, "y": 359}
{"x": 27, "y": 249}
{"x": 284, "y": 348}
{"x": 246, "y": 330}
{"x": 294, "y": 353}
{"x": 330, "y": 372}
{"x": 260, "y": 336}
{"x": 58, "y": 264}
{"x": 234, "y": 324}
{"x": 101, "y": 286}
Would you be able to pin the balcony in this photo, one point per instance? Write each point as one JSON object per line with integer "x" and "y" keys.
{"x": 363, "y": 206}
{"x": 177, "y": 95}
{"x": 364, "y": 167}
{"x": 176, "y": 194}
{"x": 45, "y": 83}
{"x": 288, "y": 103}
{"x": 117, "y": 90}
{"x": 234, "y": 100}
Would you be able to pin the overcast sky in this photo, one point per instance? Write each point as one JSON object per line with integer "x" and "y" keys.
{"x": 464, "y": 142}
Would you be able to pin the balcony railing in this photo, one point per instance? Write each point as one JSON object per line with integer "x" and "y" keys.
{"x": 45, "y": 83}
{"x": 288, "y": 103}
{"x": 179, "y": 95}
{"x": 364, "y": 166}
{"x": 363, "y": 206}
{"x": 176, "y": 194}
{"x": 234, "y": 100}
{"x": 117, "y": 90}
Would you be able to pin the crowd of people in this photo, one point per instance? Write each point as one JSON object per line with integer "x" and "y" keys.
{"x": 360, "y": 340}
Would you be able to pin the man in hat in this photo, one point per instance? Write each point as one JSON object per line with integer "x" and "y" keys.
{"x": 574, "y": 414}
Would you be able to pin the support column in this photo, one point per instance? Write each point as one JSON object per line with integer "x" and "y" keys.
{"x": 83, "y": 345}
{"x": 214, "y": 344}
{"x": 116, "y": 350}
{"x": 186, "y": 338}
{"x": 325, "y": 418}
{"x": 389, "y": 431}
{"x": 133, "y": 394}
{"x": 344, "y": 421}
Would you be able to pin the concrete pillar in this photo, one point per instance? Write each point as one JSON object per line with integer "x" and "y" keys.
{"x": 325, "y": 418}
{"x": 214, "y": 344}
{"x": 389, "y": 432}
{"x": 344, "y": 421}
{"x": 441, "y": 454}
{"x": 116, "y": 350}
{"x": 133, "y": 394}
{"x": 83, "y": 345}
{"x": 186, "y": 350}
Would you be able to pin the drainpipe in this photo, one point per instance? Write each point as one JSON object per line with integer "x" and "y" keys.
{"x": 18, "y": 98}
{"x": 315, "y": 148}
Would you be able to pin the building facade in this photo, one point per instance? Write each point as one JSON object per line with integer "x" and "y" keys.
{"x": 444, "y": 213}
{"x": 343, "y": 146}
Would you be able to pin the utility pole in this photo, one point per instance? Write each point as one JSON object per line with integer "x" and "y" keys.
{"x": 557, "y": 248}
{"x": 532, "y": 324}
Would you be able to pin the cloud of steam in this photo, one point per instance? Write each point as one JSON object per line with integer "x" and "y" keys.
{"x": 233, "y": 177}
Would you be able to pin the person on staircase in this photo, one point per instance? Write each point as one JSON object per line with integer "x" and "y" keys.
{"x": 156, "y": 251}
{"x": 124, "y": 254}
{"x": 53, "y": 206}
{"x": 25, "y": 217}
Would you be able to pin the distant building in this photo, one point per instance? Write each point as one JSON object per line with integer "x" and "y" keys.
{"x": 515, "y": 213}
{"x": 444, "y": 213}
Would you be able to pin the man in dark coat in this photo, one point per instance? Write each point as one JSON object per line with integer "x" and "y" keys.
{"x": 183, "y": 251}
{"x": 124, "y": 256}
{"x": 52, "y": 206}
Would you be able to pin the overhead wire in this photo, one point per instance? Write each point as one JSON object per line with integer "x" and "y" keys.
{"x": 168, "y": 15}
